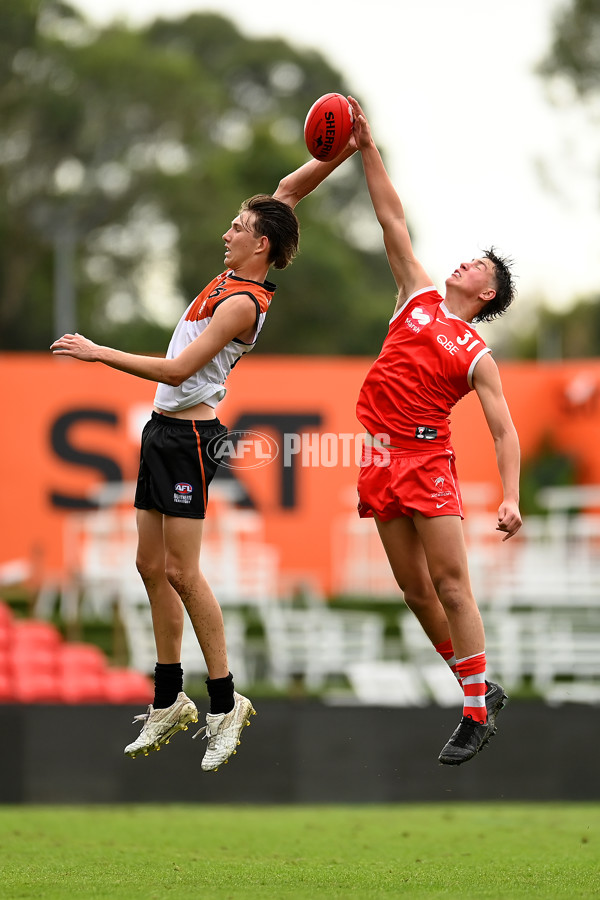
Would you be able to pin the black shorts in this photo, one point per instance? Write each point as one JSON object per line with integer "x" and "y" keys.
{"x": 177, "y": 464}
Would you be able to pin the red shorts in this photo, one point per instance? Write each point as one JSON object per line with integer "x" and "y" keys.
{"x": 393, "y": 484}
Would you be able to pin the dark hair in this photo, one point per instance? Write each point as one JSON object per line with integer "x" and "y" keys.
{"x": 505, "y": 288}
{"x": 278, "y": 222}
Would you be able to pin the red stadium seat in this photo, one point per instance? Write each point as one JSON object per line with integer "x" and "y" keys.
{"x": 31, "y": 648}
{"x": 87, "y": 687}
{"x": 78, "y": 658}
{"x": 6, "y": 614}
{"x": 128, "y": 686}
{"x": 6, "y": 625}
{"x": 35, "y": 633}
{"x": 6, "y": 691}
{"x": 82, "y": 672}
{"x": 35, "y": 660}
{"x": 35, "y": 687}
{"x": 37, "y": 666}
{"x": 5, "y": 635}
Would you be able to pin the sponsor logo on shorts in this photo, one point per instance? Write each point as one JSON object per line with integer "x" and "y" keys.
{"x": 438, "y": 482}
{"x": 183, "y": 492}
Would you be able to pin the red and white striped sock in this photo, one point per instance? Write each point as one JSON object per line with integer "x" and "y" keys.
{"x": 471, "y": 670}
{"x": 446, "y": 651}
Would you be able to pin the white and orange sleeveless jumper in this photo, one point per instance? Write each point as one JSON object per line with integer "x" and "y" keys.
{"x": 208, "y": 384}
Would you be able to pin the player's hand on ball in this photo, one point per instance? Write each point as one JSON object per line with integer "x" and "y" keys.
{"x": 77, "y": 346}
{"x": 360, "y": 129}
{"x": 509, "y": 519}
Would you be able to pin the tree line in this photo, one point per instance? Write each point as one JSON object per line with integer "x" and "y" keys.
{"x": 125, "y": 153}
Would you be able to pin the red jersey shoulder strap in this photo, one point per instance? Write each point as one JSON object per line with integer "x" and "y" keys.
{"x": 425, "y": 295}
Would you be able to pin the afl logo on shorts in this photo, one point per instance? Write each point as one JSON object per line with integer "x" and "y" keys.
{"x": 183, "y": 492}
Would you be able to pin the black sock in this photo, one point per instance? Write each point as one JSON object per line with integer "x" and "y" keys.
{"x": 168, "y": 682}
{"x": 220, "y": 691}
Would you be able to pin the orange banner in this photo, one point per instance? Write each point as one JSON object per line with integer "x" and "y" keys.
{"x": 292, "y": 456}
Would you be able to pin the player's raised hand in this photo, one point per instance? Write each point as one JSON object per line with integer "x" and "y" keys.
{"x": 361, "y": 129}
{"x": 509, "y": 519}
{"x": 77, "y": 346}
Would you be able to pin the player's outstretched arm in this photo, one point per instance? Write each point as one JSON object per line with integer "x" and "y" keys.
{"x": 406, "y": 269}
{"x": 79, "y": 347}
{"x": 230, "y": 319}
{"x": 486, "y": 380}
{"x": 297, "y": 185}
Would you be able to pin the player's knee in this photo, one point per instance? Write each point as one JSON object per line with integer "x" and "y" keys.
{"x": 180, "y": 578}
{"x": 453, "y": 593}
{"x": 418, "y": 596}
{"x": 150, "y": 570}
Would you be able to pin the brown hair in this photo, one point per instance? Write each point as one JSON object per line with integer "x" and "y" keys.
{"x": 278, "y": 222}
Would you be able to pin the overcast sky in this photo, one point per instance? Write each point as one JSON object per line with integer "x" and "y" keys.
{"x": 476, "y": 150}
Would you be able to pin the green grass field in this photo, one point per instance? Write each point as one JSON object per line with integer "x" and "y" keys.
{"x": 457, "y": 851}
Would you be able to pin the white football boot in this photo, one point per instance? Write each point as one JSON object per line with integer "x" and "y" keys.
{"x": 223, "y": 730}
{"x": 161, "y": 724}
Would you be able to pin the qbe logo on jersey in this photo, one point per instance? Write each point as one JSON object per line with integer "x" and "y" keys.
{"x": 183, "y": 492}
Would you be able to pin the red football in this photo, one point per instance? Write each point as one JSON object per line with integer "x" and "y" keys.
{"x": 328, "y": 126}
